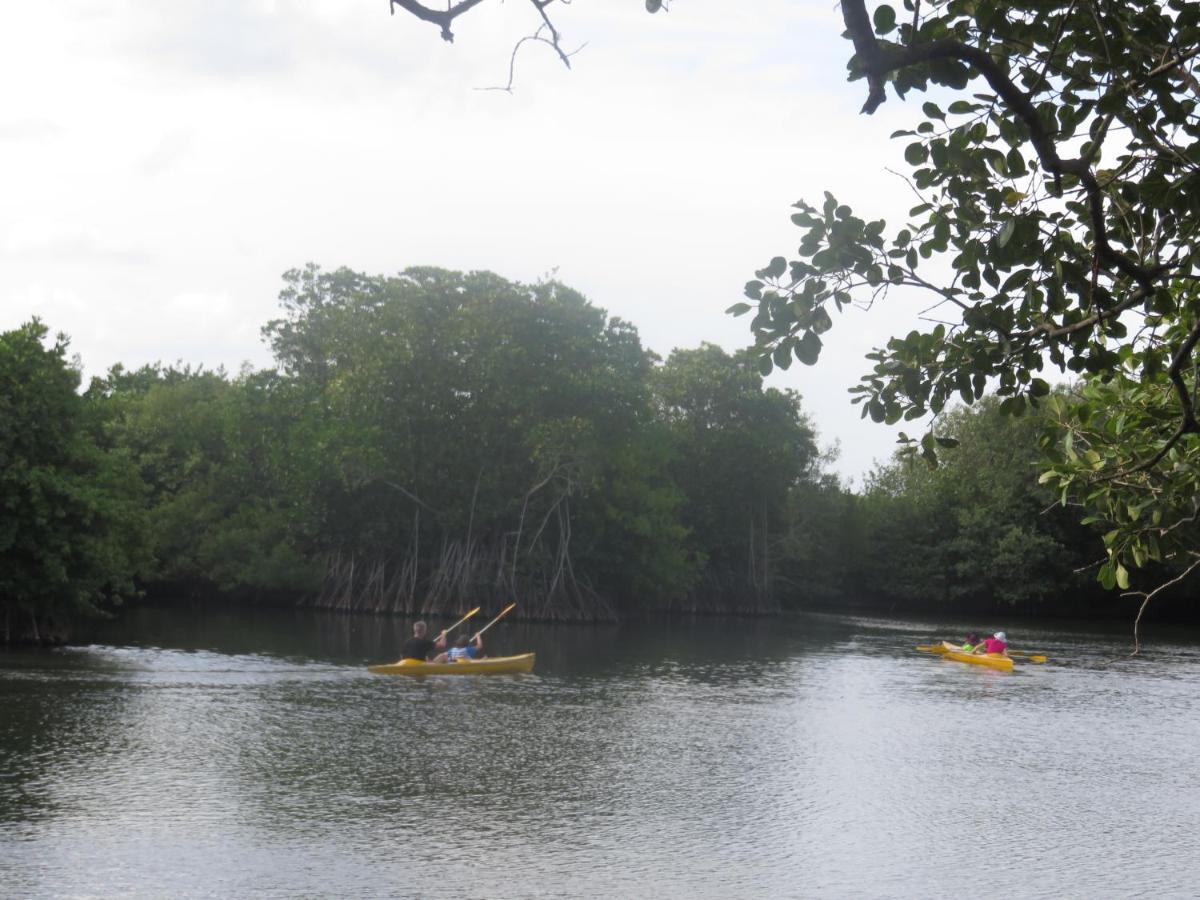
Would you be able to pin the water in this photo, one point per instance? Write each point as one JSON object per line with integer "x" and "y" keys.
{"x": 251, "y": 754}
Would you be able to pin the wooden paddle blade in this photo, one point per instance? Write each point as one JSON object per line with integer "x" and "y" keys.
{"x": 503, "y": 613}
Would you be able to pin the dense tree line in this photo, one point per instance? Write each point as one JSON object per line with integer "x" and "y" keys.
{"x": 425, "y": 441}
{"x": 434, "y": 440}
{"x": 977, "y": 531}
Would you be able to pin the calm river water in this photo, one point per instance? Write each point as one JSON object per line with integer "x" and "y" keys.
{"x": 252, "y": 755}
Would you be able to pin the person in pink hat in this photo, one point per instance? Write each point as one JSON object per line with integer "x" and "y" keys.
{"x": 997, "y": 643}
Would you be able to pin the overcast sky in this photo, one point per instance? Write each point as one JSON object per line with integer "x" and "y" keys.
{"x": 164, "y": 164}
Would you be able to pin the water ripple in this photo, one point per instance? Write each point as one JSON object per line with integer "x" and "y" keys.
{"x": 820, "y": 758}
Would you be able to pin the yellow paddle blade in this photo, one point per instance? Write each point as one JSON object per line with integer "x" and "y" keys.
{"x": 446, "y": 631}
{"x": 503, "y": 613}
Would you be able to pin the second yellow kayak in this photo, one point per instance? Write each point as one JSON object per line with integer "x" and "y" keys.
{"x": 991, "y": 660}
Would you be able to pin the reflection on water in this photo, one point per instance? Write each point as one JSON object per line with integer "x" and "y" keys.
{"x": 240, "y": 754}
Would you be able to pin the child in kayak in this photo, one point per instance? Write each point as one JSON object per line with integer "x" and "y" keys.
{"x": 466, "y": 648}
{"x": 997, "y": 643}
{"x": 971, "y": 643}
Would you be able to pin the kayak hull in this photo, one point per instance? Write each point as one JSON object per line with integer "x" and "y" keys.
{"x": 991, "y": 660}
{"x": 492, "y": 665}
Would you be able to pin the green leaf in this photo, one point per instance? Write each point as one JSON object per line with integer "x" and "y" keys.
{"x": 1006, "y": 232}
{"x": 916, "y": 153}
{"x": 808, "y": 348}
{"x": 782, "y": 357}
{"x": 1122, "y": 577}
{"x": 1016, "y": 280}
{"x": 738, "y": 309}
{"x": 821, "y": 322}
{"x": 1107, "y": 576}
{"x": 885, "y": 19}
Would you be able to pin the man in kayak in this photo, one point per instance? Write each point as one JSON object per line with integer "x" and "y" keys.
{"x": 419, "y": 647}
{"x": 997, "y": 643}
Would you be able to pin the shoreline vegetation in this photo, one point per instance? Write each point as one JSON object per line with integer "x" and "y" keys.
{"x": 436, "y": 440}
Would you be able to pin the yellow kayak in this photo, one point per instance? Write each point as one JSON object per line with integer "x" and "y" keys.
{"x": 991, "y": 660}
{"x": 491, "y": 665}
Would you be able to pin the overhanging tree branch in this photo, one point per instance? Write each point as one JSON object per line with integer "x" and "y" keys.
{"x": 439, "y": 17}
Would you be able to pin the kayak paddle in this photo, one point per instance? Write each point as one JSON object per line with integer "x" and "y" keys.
{"x": 446, "y": 631}
{"x": 1032, "y": 657}
{"x": 503, "y": 613}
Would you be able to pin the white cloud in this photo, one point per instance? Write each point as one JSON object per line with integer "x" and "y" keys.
{"x": 190, "y": 154}
{"x": 170, "y": 149}
{"x": 29, "y": 129}
{"x": 42, "y": 240}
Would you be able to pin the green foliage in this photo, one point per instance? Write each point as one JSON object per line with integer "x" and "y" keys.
{"x": 470, "y": 432}
{"x": 821, "y": 553}
{"x": 434, "y": 380}
{"x": 72, "y": 533}
{"x": 1099, "y": 445}
{"x": 1038, "y": 257}
{"x": 979, "y": 529}
{"x": 214, "y": 455}
{"x": 739, "y": 450}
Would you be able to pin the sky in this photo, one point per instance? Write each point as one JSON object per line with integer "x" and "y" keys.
{"x": 161, "y": 166}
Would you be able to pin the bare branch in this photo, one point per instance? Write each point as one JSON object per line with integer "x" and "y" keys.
{"x": 440, "y": 17}
{"x": 536, "y": 37}
{"x": 1147, "y": 597}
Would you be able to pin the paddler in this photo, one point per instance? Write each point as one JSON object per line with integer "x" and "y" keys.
{"x": 466, "y": 648}
{"x": 970, "y": 643}
{"x": 419, "y": 647}
{"x": 997, "y": 643}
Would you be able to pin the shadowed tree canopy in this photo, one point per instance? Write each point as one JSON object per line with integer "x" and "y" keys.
{"x": 1056, "y": 161}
